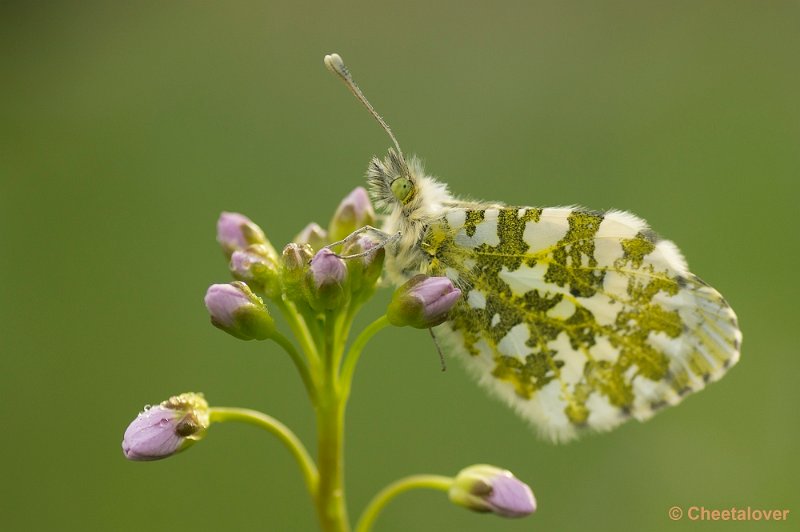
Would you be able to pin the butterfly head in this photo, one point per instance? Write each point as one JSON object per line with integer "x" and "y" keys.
{"x": 399, "y": 185}
{"x": 392, "y": 181}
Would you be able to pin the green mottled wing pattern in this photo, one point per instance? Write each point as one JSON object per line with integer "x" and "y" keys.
{"x": 578, "y": 319}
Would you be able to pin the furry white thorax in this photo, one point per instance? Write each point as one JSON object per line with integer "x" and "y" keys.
{"x": 427, "y": 204}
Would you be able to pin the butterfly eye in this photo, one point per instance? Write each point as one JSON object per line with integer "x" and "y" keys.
{"x": 402, "y": 188}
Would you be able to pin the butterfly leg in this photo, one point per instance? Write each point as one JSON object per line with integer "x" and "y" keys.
{"x": 384, "y": 239}
{"x": 438, "y": 350}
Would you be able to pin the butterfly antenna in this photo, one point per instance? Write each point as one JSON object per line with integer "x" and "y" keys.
{"x": 336, "y": 65}
{"x": 438, "y": 350}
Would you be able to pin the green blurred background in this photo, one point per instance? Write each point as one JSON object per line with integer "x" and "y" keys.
{"x": 127, "y": 127}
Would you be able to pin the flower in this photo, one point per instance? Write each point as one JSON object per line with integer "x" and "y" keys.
{"x": 364, "y": 271}
{"x": 294, "y": 265}
{"x": 354, "y": 212}
{"x": 485, "y": 488}
{"x": 256, "y": 266}
{"x": 167, "y": 428}
{"x": 235, "y": 309}
{"x": 422, "y": 302}
{"x": 313, "y": 235}
{"x": 295, "y": 257}
{"x": 325, "y": 280}
{"x": 237, "y": 231}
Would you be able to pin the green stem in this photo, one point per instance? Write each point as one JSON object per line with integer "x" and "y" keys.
{"x": 331, "y": 338}
{"x": 331, "y": 507}
{"x": 299, "y": 363}
{"x": 300, "y": 329}
{"x": 285, "y": 435}
{"x": 354, "y": 354}
{"x": 343, "y": 329}
{"x": 376, "y": 505}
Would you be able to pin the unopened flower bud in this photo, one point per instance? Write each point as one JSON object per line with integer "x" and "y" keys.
{"x": 485, "y": 488}
{"x": 294, "y": 265}
{"x": 325, "y": 281}
{"x": 364, "y": 271}
{"x": 237, "y": 231}
{"x": 422, "y": 302}
{"x": 235, "y": 309}
{"x": 258, "y": 268}
{"x": 296, "y": 256}
{"x": 354, "y": 212}
{"x": 313, "y": 235}
{"x": 167, "y": 428}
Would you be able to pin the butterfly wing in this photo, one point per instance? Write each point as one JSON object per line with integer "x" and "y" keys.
{"x": 579, "y": 320}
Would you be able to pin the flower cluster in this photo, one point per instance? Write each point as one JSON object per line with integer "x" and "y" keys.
{"x": 310, "y": 275}
{"x": 317, "y": 284}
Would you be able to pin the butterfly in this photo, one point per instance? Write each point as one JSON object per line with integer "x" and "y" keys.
{"x": 578, "y": 319}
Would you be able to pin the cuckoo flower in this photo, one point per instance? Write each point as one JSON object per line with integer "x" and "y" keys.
{"x": 423, "y": 302}
{"x": 235, "y": 309}
{"x": 485, "y": 488}
{"x": 167, "y": 428}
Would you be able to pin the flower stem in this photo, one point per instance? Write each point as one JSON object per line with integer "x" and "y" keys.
{"x": 376, "y": 505}
{"x": 285, "y": 435}
{"x": 355, "y": 353}
{"x": 299, "y": 363}
{"x": 330, "y": 501}
{"x": 300, "y": 330}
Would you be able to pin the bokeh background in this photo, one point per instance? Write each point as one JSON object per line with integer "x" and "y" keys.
{"x": 125, "y": 128}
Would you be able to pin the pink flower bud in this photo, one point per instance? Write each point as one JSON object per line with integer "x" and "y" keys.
{"x": 485, "y": 488}
{"x": 237, "y": 231}
{"x": 235, "y": 309}
{"x": 325, "y": 280}
{"x": 423, "y": 302}
{"x": 354, "y": 212}
{"x": 257, "y": 267}
{"x": 167, "y": 428}
{"x": 364, "y": 271}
